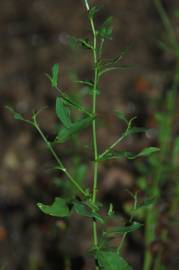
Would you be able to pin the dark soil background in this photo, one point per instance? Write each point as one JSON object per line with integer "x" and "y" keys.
{"x": 33, "y": 36}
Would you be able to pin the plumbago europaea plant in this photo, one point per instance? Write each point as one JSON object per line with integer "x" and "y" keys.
{"x": 84, "y": 201}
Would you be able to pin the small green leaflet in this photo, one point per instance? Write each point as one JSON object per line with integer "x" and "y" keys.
{"x": 54, "y": 77}
{"x": 121, "y": 116}
{"x": 58, "y": 208}
{"x": 120, "y": 67}
{"x": 125, "y": 154}
{"x": 148, "y": 151}
{"x": 16, "y": 115}
{"x": 106, "y": 29}
{"x": 135, "y": 130}
{"x": 65, "y": 133}
{"x": 146, "y": 203}
{"x": 109, "y": 260}
{"x": 93, "y": 10}
{"x": 80, "y": 42}
{"x": 123, "y": 229}
{"x": 63, "y": 113}
{"x": 83, "y": 210}
{"x": 85, "y": 43}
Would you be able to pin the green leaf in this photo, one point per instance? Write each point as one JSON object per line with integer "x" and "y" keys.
{"x": 148, "y": 151}
{"x": 90, "y": 87}
{"x": 146, "y": 203}
{"x": 121, "y": 116}
{"x": 54, "y": 77}
{"x": 16, "y": 115}
{"x": 125, "y": 154}
{"x": 110, "y": 210}
{"x": 106, "y": 29}
{"x": 85, "y": 82}
{"x": 63, "y": 113}
{"x": 93, "y": 11}
{"x": 109, "y": 260}
{"x": 65, "y": 133}
{"x": 58, "y": 208}
{"x": 83, "y": 210}
{"x": 123, "y": 229}
{"x": 135, "y": 130}
{"x": 120, "y": 67}
{"x": 85, "y": 43}
{"x": 72, "y": 102}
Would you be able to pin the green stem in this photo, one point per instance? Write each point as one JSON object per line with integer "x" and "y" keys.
{"x": 95, "y": 167}
{"x": 59, "y": 162}
{"x": 131, "y": 219}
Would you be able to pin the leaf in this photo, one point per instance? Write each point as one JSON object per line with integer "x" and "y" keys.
{"x": 110, "y": 210}
{"x": 93, "y": 11}
{"x": 123, "y": 229}
{"x": 85, "y": 43}
{"x": 146, "y": 203}
{"x": 65, "y": 133}
{"x": 16, "y": 115}
{"x": 54, "y": 77}
{"x": 135, "y": 130}
{"x": 126, "y": 154}
{"x": 71, "y": 101}
{"x": 80, "y": 173}
{"x": 83, "y": 210}
{"x": 63, "y": 113}
{"x": 148, "y": 151}
{"x": 90, "y": 87}
{"x": 85, "y": 82}
{"x": 117, "y": 59}
{"x": 109, "y": 260}
{"x": 120, "y": 67}
{"x": 58, "y": 208}
{"x": 121, "y": 116}
{"x": 80, "y": 42}
{"x": 106, "y": 29}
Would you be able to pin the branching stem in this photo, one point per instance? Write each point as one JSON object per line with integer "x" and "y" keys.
{"x": 59, "y": 162}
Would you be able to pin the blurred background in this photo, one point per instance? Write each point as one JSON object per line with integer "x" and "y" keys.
{"x": 33, "y": 36}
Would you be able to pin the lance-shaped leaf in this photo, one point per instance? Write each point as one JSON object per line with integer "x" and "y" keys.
{"x": 16, "y": 115}
{"x": 123, "y": 229}
{"x": 63, "y": 113}
{"x": 65, "y": 133}
{"x": 120, "y": 67}
{"x": 146, "y": 203}
{"x": 109, "y": 260}
{"x": 54, "y": 77}
{"x": 92, "y": 11}
{"x": 122, "y": 117}
{"x": 58, "y": 208}
{"x": 129, "y": 155}
{"x": 105, "y": 31}
{"x": 135, "y": 130}
{"x": 85, "y": 211}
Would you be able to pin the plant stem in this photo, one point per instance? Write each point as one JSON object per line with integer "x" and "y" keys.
{"x": 131, "y": 219}
{"x": 94, "y": 137}
{"x": 95, "y": 166}
{"x": 59, "y": 162}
